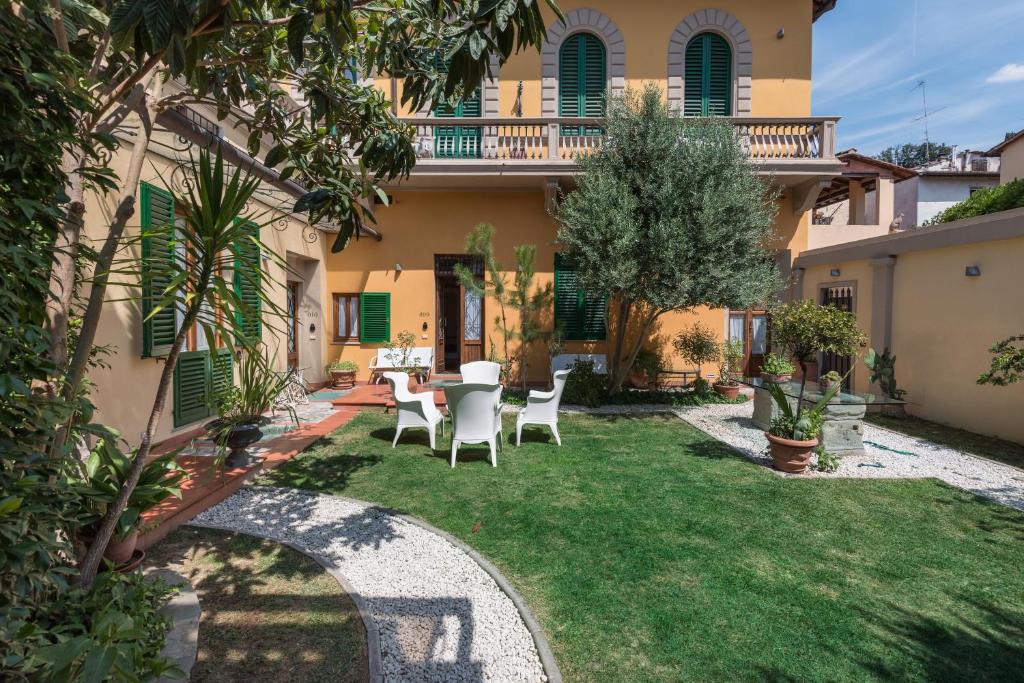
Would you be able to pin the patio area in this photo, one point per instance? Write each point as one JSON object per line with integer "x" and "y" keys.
{"x": 646, "y": 549}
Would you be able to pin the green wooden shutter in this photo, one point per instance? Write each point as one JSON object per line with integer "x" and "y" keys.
{"x": 191, "y": 387}
{"x": 248, "y": 281}
{"x": 158, "y": 329}
{"x": 582, "y": 80}
{"x": 222, "y": 374}
{"x": 580, "y": 315}
{"x": 374, "y": 317}
{"x": 458, "y": 142}
{"x": 708, "y": 76}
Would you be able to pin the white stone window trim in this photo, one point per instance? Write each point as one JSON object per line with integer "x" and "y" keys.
{"x": 729, "y": 27}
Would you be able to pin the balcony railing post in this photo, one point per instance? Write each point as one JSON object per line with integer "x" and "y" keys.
{"x": 828, "y": 143}
{"x": 553, "y": 142}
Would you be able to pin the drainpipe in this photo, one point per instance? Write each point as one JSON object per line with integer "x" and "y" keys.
{"x": 177, "y": 123}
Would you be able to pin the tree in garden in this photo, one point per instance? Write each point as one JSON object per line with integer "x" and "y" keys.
{"x": 527, "y": 301}
{"x": 697, "y": 345}
{"x": 805, "y": 329}
{"x": 1007, "y": 363}
{"x": 668, "y": 215}
{"x": 912, "y": 155}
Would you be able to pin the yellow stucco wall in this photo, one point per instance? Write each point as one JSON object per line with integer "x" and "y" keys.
{"x": 943, "y": 324}
{"x": 781, "y": 67}
{"x": 1011, "y": 161}
{"x": 123, "y": 390}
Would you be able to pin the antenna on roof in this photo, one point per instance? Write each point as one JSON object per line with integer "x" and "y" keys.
{"x": 924, "y": 103}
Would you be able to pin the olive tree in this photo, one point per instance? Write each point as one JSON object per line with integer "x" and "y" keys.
{"x": 668, "y": 215}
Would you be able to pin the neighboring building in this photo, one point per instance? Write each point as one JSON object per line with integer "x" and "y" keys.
{"x": 1011, "y": 157}
{"x": 504, "y": 161}
{"x": 850, "y": 209}
{"x": 939, "y": 297}
{"x": 943, "y": 183}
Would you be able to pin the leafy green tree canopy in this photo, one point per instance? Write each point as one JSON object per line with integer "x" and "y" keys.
{"x": 912, "y": 155}
{"x": 668, "y": 215}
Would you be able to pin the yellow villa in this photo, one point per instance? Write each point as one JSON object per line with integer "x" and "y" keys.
{"x": 502, "y": 158}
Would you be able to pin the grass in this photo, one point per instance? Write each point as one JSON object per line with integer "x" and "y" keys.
{"x": 269, "y": 613}
{"x": 962, "y": 440}
{"x": 649, "y": 551}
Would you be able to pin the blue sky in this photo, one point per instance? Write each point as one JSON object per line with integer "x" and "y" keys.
{"x": 870, "y": 54}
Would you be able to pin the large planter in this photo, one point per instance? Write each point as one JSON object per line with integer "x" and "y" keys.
{"x": 825, "y": 385}
{"x": 119, "y": 552}
{"x": 241, "y": 437}
{"x": 343, "y": 379}
{"x": 729, "y": 391}
{"x": 790, "y": 455}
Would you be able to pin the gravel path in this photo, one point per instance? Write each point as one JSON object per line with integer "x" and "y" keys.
{"x": 1005, "y": 484}
{"x": 441, "y": 616}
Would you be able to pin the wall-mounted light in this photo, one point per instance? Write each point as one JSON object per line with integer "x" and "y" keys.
{"x": 973, "y": 271}
{"x": 835, "y": 272}
{"x": 781, "y": 34}
{"x": 398, "y": 267}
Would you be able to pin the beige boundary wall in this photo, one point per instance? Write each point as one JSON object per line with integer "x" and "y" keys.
{"x": 913, "y": 295}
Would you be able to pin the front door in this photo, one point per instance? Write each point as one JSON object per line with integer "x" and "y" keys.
{"x": 459, "y": 314}
{"x": 293, "y": 325}
{"x": 751, "y": 329}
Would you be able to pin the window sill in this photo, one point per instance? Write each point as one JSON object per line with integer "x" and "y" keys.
{"x": 350, "y": 342}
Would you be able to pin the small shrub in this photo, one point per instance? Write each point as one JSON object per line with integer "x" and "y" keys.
{"x": 1007, "y": 363}
{"x": 982, "y": 202}
{"x": 584, "y": 387}
{"x": 649, "y": 361}
{"x": 827, "y": 462}
{"x": 732, "y": 361}
{"x": 697, "y": 345}
{"x": 775, "y": 364}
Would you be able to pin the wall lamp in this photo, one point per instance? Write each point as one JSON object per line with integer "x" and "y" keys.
{"x": 398, "y": 267}
{"x": 973, "y": 271}
{"x": 835, "y": 272}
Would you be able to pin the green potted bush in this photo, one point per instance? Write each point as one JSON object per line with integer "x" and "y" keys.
{"x": 645, "y": 368}
{"x": 730, "y": 367}
{"x": 804, "y": 329}
{"x": 698, "y": 345}
{"x": 240, "y": 409}
{"x": 400, "y": 353}
{"x": 775, "y": 368}
{"x": 104, "y": 473}
{"x": 343, "y": 373}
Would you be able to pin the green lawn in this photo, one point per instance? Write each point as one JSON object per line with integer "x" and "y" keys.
{"x": 651, "y": 552}
{"x": 960, "y": 439}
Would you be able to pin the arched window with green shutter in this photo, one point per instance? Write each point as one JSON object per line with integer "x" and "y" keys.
{"x": 582, "y": 80}
{"x": 708, "y": 76}
{"x": 457, "y": 142}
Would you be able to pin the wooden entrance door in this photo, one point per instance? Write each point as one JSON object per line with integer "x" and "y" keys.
{"x": 840, "y": 296}
{"x": 751, "y": 328}
{"x": 459, "y": 314}
{"x": 293, "y": 325}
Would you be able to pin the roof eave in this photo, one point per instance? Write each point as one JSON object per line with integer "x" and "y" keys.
{"x": 822, "y": 6}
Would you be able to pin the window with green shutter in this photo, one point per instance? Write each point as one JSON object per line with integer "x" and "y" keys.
{"x": 581, "y": 316}
{"x": 582, "y": 80}
{"x": 708, "y": 76}
{"x": 374, "y": 317}
{"x": 158, "y": 325}
{"x": 199, "y": 377}
{"x": 458, "y": 142}
{"x": 248, "y": 280}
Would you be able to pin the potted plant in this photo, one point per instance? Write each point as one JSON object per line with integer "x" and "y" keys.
{"x": 240, "y": 409}
{"x": 728, "y": 369}
{"x": 883, "y": 371}
{"x": 104, "y": 473}
{"x": 400, "y": 353}
{"x": 645, "y": 368}
{"x": 698, "y": 345}
{"x": 829, "y": 380}
{"x": 775, "y": 368}
{"x": 343, "y": 374}
{"x": 804, "y": 329}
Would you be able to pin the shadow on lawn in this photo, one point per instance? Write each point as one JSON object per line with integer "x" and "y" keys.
{"x": 985, "y": 643}
{"x": 321, "y": 467}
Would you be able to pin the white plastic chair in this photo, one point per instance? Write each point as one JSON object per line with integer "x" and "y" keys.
{"x": 542, "y": 408}
{"x": 480, "y": 372}
{"x": 414, "y": 410}
{"x": 475, "y": 410}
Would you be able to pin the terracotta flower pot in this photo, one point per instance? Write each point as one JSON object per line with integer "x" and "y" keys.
{"x": 778, "y": 379}
{"x": 639, "y": 380}
{"x": 790, "y": 455}
{"x": 343, "y": 379}
{"x": 729, "y": 391}
{"x": 120, "y": 551}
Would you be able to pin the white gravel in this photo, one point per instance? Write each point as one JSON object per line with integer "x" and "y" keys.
{"x": 918, "y": 459}
{"x": 441, "y": 617}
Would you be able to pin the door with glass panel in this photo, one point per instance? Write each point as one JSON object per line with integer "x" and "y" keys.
{"x": 751, "y": 329}
{"x": 460, "y": 313}
{"x": 293, "y": 325}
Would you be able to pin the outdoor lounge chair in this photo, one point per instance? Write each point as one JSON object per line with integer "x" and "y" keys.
{"x": 421, "y": 362}
{"x": 542, "y": 408}
{"x": 414, "y": 410}
{"x": 475, "y": 410}
{"x": 480, "y": 372}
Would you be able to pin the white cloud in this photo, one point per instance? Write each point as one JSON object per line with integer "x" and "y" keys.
{"x": 1007, "y": 74}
